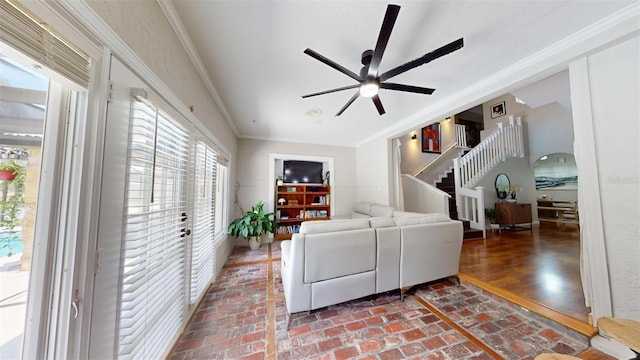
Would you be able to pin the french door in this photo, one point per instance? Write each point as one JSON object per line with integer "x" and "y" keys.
{"x": 152, "y": 268}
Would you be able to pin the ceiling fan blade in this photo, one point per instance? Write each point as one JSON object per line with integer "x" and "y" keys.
{"x": 444, "y": 50}
{"x": 332, "y": 90}
{"x": 353, "y": 98}
{"x": 385, "y": 33}
{"x": 378, "y": 103}
{"x": 408, "y": 88}
{"x": 333, "y": 64}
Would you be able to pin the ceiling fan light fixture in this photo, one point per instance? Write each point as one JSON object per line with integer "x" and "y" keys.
{"x": 369, "y": 90}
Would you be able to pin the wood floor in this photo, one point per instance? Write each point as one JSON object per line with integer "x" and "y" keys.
{"x": 542, "y": 265}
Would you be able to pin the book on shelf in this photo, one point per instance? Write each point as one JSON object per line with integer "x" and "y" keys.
{"x": 288, "y": 229}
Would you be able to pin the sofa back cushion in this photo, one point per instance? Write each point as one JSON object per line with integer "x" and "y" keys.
{"x": 381, "y": 222}
{"x": 422, "y": 219}
{"x": 341, "y": 253}
{"x": 363, "y": 208}
{"x": 357, "y": 215}
{"x": 321, "y": 227}
{"x": 400, "y": 213}
{"x": 382, "y": 210}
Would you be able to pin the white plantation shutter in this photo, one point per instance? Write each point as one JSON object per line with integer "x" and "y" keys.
{"x": 202, "y": 253}
{"x": 153, "y": 269}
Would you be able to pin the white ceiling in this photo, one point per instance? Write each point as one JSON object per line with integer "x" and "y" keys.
{"x": 253, "y": 55}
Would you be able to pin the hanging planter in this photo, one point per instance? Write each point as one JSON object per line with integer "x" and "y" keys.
{"x": 11, "y": 206}
{"x": 7, "y": 175}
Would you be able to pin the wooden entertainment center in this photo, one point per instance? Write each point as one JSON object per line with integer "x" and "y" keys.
{"x": 295, "y": 203}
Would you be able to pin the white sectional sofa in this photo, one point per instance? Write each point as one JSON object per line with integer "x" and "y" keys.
{"x": 329, "y": 262}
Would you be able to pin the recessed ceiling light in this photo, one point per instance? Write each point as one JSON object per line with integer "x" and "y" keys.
{"x": 314, "y": 112}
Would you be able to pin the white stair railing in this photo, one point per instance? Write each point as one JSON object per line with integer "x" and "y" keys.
{"x": 507, "y": 141}
{"x": 461, "y": 136}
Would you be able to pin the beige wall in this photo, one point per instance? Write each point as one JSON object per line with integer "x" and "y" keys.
{"x": 413, "y": 159}
{"x": 374, "y": 172}
{"x": 253, "y": 169}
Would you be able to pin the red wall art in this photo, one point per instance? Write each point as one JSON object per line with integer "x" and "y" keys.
{"x": 431, "y": 138}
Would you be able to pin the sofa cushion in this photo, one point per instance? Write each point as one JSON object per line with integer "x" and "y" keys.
{"x": 341, "y": 253}
{"x": 422, "y": 219}
{"x": 400, "y": 214}
{"x": 382, "y": 210}
{"x": 381, "y": 222}
{"x": 363, "y": 208}
{"x": 320, "y": 227}
{"x": 357, "y": 215}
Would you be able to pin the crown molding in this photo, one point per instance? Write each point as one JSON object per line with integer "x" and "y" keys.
{"x": 174, "y": 20}
{"x": 617, "y": 27}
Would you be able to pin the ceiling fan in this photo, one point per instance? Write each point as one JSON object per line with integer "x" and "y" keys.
{"x": 369, "y": 81}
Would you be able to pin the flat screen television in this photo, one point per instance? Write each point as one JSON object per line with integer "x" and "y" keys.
{"x": 302, "y": 172}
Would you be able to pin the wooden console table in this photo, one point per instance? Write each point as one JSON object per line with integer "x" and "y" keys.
{"x": 510, "y": 215}
{"x": 558, "y": 211}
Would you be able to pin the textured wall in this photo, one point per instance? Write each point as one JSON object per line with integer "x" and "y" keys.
{"x": 615, "y": 90}
{"x": 143, "y": 26}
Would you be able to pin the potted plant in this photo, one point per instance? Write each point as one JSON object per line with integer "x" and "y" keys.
{"x": 327, "y": 178}
{"x": 253, "y": 225}
{"x": 279, "y": 181}
{"x": 11, "y": 207}
{"x": 492, "y": 215}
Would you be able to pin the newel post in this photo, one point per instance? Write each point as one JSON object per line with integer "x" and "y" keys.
{"x": 481, "y": 218}
{"x": 457, "y": 182}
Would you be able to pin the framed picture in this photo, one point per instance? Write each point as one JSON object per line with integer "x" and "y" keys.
{"x": 431, "y": 138}
{"x": 498, "y": 110}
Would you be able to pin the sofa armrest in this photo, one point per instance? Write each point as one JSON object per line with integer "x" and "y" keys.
{"x": 297, "y": 293}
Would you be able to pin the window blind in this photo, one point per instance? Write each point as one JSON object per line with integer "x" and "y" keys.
{"x": 202, "y": 253}
{"x": 152, "y": 279}
{"x": 30, "y": 35}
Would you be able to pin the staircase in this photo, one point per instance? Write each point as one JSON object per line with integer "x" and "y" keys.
{"x": 447, "y": 184}
{"x": 505, "y": 142}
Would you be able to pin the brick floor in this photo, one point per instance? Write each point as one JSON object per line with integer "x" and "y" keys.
{"x": 243, "y": 316}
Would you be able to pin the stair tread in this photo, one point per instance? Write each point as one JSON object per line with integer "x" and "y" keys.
{"x": 472, "y": 234}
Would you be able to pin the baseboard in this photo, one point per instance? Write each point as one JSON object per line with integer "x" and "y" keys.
{"x": 612, "y": 348}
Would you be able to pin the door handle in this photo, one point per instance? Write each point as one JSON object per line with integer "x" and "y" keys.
{"x": 75, "y": 303}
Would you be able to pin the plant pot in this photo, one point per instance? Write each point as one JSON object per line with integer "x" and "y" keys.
{"x": 254, "y": 242}
{"x": 7, "y": 175}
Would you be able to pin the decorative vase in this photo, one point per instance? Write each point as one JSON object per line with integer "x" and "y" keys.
{"x": 279, "y": 182}
{"x": 254, "y": 242}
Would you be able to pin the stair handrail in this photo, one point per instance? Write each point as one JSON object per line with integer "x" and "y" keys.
{"x": 446, "y": 156}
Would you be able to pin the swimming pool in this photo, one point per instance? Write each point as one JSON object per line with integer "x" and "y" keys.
{"x": 16, "y": 245}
